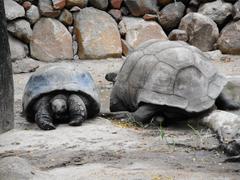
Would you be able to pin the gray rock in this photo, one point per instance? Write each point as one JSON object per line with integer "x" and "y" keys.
{"x": 46, "y": 9}
{"x": 15, "y": 168}
{"x": 229, "y": 40}
{"x": 56, "y": 44}
{"x": 141, "y": 7}
{"x": 97, "y": 34}
{"x": 218, "y": 11}
{"x": 227, "y": 126}
{"x": 137, "y": 30}
{"x": 116, "y": 14}
{"x": 74, "y": 37}
{"x": 236, "y": 11}
{"x": 99, "y": 4}
{"x": 75, "y": 47}
{"x": 170, "y": 16}
{"x": 13, "y": 10}
{"x": 25, "y": 65}
{"x": 70, "y": 29}
{"x": 178, "y": 35}
{"x": 33, "y": 14}
{"x": 18, "y": 49}
{"x": 75, "y": 57}
{"x": 202, "y": 31}
{"x": 66, "y": 17}
{"x": 21, "y": 29}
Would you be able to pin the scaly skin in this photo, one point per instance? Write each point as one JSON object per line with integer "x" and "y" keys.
{"x": 43, "y": 116}
{"x": 77, "y": 110}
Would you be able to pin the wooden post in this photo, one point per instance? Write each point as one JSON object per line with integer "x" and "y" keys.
{"x": 6, "y": 77}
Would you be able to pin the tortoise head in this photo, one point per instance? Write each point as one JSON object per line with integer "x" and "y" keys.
{"x": 59, "y": 106}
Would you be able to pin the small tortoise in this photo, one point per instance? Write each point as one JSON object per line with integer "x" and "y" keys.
{"x": 60, "y": 93}
{"x": 168, "y": 79}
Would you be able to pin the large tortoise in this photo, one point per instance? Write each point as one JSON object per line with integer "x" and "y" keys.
{"x": 60, "y": 93}
{"x": 170, "y": 79}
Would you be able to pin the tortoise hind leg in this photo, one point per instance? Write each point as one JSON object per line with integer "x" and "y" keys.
{"x": 77, "y": 110}
{"x": 42, "y": 116}
{"x": 145, "y": 112}
{"x": 142, "y": 115}
{"x": 224, "y": 103}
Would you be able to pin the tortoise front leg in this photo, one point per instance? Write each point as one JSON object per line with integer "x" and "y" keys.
{"x": 77, "y": 110}
{"x": 42, "y": 114}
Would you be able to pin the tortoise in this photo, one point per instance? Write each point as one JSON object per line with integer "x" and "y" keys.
{"x": 168, "y": 79}
{"x": 60, "y": 93}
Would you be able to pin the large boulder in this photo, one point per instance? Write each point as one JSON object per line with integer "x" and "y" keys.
{"x": 79, "y": 3}
{"x": 33, "y": 14}
{"x": 97, "y": 34}
{"x": 51, "y": 43}
{"x": 46, "y": 9}
{"x": 236, "y": 11}
{"x": 229, "y": 40}
{"x": 99, "y": 4}
{"x": 202, "y": 31}
{"x": 21, "y": 29}
{"x": 137, "y": 30}
{"x": 18, "y": 49}
{"x": 13, "y": 10}
{"x": 170, "y": 16}
{"x": 218, "y": 11}
{"x": 141, "y": 7}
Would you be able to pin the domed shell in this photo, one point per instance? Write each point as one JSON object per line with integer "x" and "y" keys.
{"x": 60, "y": 77}
{"x": 170, "y": 73}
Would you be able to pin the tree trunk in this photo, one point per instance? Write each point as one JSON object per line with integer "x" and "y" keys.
{"x": 6, "y": 78}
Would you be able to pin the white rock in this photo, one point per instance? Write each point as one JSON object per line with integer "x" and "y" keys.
{"x": 18, "y": 49}
{"x": 33, "y": 14}
{"x": 13, "y": 10}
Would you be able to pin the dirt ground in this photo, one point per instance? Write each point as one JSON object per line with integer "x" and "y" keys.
{"x": 104, "y": 149}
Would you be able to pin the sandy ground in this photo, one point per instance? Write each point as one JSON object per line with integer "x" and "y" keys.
{"x": 104, "y": 149}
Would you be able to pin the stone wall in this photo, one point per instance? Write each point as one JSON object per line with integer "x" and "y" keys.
{"x": 52, "y": 30}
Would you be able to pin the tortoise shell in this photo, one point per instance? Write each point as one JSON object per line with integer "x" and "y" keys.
{"x": 62, "y": 77}
{"x": 169, "y": 73}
